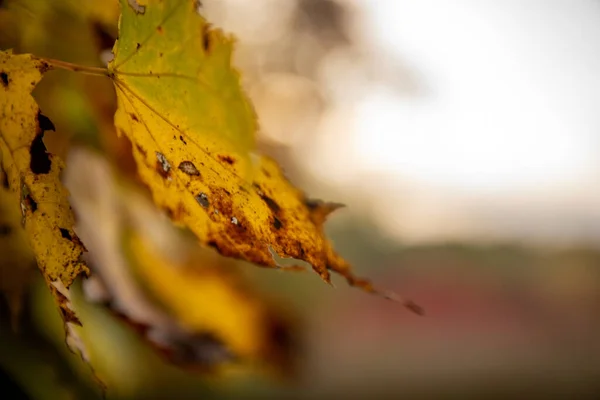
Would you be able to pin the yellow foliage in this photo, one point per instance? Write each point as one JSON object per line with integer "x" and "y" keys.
{"x": 187, "y": 301}
{"x": 202, "y": 298}
{"x": 181, "y": 105}
{"x": 32, "y": 175}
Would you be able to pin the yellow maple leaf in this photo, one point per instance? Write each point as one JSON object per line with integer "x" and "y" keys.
{"x": 32, "y": 175}
{"x": 190, "y": 303}
{"x": 181, "y": 104}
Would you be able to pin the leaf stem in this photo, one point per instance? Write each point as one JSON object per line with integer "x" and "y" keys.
{"x": 76, "y": 68}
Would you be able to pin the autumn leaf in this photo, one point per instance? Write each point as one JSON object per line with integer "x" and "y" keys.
{"x": 33, "y": 177}
{"x": 206, "y": 298}
{"x": 188, "y": 302}
{"x": 181, "y": 104}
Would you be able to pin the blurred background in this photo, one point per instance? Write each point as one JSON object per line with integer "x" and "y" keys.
{"x": 464, "y": 140}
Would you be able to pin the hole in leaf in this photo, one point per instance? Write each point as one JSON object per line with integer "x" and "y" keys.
{"x": 288, "y": 262}
{"x": 139, "y": 9}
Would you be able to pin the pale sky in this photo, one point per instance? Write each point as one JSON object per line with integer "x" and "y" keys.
{"x": 503, "y": 141}
{"x": 514, "y": 91}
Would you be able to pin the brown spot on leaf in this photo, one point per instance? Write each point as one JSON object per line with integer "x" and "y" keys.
{"x": 4, "y": 78}
{"x": 206, "y": 39}
{"x": 270, "y": 203}
{"x": 226, "y": 159}
{"x": 301, "y": 250}
{"x": 182, "y": 140}
{"x": 134, "y": 117}
{"x": 189, "y": 168}
{"x": 277, "y": 223}
{"x": 238, "y": 230}
{"x": 202, "y": 199}
{"x": 141, "y": 150}
{"x": 160, "y": 29}
{"x": 137, "y": 46}
{"x": 65, "y": 234}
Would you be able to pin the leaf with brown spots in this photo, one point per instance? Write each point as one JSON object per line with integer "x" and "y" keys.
{"x": 188, "y": 302}
{"x": 31, "y": 180}
{"x": 181, "y": 104}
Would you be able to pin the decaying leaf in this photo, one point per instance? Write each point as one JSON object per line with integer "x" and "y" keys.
{"x": 32, "y": 176}
{"x": 183, "y": 299}
{"x": 181, "y": 105}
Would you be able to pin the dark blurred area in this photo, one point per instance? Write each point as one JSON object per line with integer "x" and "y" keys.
{"x": 491, "y": 223}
